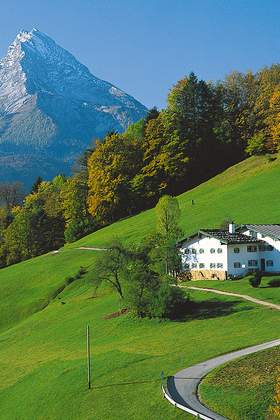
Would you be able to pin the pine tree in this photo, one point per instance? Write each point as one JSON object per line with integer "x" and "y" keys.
{"x": 36, "y": 184}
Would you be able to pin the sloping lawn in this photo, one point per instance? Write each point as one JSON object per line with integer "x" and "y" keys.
{"x": 29, "y": 286}
{"x": 43, "y": 358}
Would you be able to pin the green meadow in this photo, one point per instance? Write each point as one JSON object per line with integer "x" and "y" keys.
{"x": 43, "y": 320}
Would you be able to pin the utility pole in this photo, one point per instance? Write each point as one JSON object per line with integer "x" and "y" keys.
{"x": 88, "y": 358}
{"x": 162, "y": 379}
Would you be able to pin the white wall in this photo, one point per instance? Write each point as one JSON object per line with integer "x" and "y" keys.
{"x": 228, "y": 257}
{"x": 243, "y": 257}
{"x": 206, "y": 257}
{"x": 269, "y": 255}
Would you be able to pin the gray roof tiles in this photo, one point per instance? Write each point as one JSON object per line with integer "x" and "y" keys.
{"x": 273, "y": 231}
{"x": 229, "y": 238}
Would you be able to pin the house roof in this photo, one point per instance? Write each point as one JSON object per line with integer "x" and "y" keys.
{"x": 229, "y": 238}
{"x": 273, "y": 231}
{"x": 224, "y": 236}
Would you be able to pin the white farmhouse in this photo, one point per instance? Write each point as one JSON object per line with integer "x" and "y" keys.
{"x": 219, "y": 254}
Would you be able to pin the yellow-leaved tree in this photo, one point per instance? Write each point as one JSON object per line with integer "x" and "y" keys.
{"x": 273, "y": 121}
{"x": 111, "y": 168}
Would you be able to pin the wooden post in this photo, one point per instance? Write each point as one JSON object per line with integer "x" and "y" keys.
{"x": 88, "y": 358}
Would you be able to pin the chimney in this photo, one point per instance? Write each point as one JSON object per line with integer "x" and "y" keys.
{"x": 231, "y": 227}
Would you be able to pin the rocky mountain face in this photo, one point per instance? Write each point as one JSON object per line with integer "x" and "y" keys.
{"x": 52, "y": 107}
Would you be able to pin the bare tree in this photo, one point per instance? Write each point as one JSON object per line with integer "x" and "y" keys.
{"x": 110, "y": 266}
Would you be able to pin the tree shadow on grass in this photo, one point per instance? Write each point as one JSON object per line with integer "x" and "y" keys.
{"x": 211, "y": 308}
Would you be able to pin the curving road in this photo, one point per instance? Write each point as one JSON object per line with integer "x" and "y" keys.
{"x": 183, "y": 387}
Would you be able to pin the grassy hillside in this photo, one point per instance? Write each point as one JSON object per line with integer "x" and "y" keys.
{"x": 43, "y": 363}
{"x": 42, "y": 348}
{"x": 29, "y": 286}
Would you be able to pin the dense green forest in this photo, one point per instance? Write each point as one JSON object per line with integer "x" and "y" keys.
{"x": 205, "y": 128}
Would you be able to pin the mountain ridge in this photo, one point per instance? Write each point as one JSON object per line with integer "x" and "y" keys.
{"x": 51, "y": 105}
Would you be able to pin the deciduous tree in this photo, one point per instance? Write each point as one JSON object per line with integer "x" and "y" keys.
{"x": 111, "y": 168}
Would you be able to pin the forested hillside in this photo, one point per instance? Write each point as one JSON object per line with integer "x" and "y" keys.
{"x": 205, "y": 128}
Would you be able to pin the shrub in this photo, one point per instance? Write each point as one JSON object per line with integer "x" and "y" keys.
{"x": 274, "y": 283}
{"x": 69, "y": 280}
{"x": 169, "y": 302}
{"x": 235, "y": 277}
{"x": 271, "y": 158}
{"x": 255, "y": 281}
{"x": 82, "y": 271}
{"x": 256, "y": 144}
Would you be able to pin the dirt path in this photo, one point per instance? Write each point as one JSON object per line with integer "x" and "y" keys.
{"x": 91, "y": 248}
{"x": 245, "y": 297}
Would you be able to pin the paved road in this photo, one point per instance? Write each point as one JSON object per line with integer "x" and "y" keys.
{"x": 245, "y": 297}
{"x": 183, "y": 386}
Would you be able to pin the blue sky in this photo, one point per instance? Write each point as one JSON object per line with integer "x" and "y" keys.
{"x": 145, "y": 46}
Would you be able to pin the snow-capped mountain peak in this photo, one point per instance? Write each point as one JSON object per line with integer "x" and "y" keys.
{"x": 43, "y": 92}
{"x": 24, "y": 36}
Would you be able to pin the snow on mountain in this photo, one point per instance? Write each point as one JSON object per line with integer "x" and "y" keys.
{"x": 51, "y": 107}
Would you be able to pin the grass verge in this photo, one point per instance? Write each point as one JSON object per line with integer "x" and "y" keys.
{"x": 244, "y": 388}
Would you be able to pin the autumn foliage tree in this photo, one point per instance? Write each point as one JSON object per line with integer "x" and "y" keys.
{"x": 111, "y": 168}
{"x": 78, "y": 221}
{"x": 273, "y": 121}
{"x": 37, "y": 225}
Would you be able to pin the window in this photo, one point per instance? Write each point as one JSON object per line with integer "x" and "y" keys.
{"x": 220, "y": 265}
{"x": 252, "y": 248}
{"x": 194, "y": 265}
{"x": 186, "y": 251}
{"x": 212, "y": 265}
{"x": 269, "y": 263}
{"x": 236, "y": 250}
{"x": 253, "y": 234}
{"x": 219, "y": 250}
{"x": 236, "y": 265}
{"x": 201, "y": 251}
{"x": 201, "y": 265}
{"x": 193, "y": 251}
{"x": 266, "y": 247}
{"x": 252, "y": 263}
{"x": 212, "y": 250}
{"x": 186, "y": 266}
